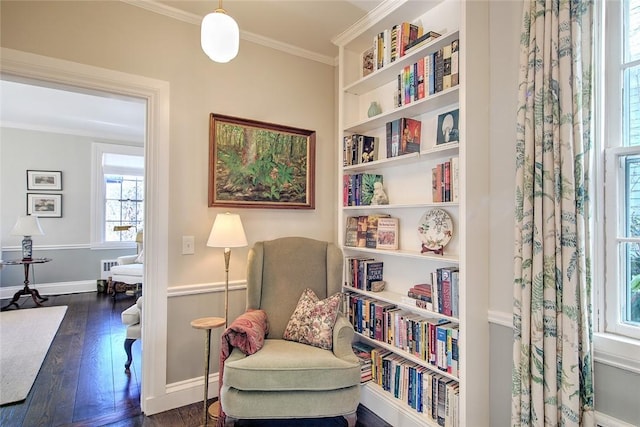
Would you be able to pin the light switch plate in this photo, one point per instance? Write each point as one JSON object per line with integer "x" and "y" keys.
{"x": 188, "y": 245}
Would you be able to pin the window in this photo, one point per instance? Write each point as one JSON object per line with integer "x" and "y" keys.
{"x": 621, "y": 198}
{"x": 118, "y": 195}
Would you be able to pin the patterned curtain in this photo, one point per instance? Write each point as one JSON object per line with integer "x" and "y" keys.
{"x": 552, "y": 349}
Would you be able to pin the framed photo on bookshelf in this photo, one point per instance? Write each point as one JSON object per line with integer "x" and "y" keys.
{"x": 254, "y": 164}
{"x": 448, "y": 127}
{"x": 44, "y": 180}
{"x": 44, "y": 205}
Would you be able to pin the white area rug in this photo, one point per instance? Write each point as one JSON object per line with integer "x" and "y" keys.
{"x": 25, "y": 337}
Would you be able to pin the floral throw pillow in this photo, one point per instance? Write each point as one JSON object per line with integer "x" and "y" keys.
{"x": 313, "y": 319}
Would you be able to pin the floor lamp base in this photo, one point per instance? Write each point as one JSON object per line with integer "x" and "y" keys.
{"x": 214, "y": 410}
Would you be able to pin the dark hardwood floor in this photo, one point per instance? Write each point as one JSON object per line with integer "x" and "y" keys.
{"x": 82, "y": 380}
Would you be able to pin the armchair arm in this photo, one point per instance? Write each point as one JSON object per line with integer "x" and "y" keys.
{"x": 127, "y": 259}
{"x": 342, "y": 338}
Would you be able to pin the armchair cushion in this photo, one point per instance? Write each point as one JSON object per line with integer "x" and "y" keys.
{"x": 287, "y": 365}
{"x": 313, "y": 319}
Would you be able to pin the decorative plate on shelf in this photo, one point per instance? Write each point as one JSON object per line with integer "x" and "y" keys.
{"x": 435, "y": 229}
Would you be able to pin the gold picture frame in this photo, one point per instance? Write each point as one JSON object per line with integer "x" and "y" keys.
{"x": 255, "y": 164}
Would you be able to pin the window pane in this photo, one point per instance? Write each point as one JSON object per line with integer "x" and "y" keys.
{"x": 113, "y": 188}
{"x": 630, "y": 294}
{"x": 124, "y": 205}
{"x": 631, "y": 105}
{"x": 632, "y": 43}
{"x": 112, "y": 211}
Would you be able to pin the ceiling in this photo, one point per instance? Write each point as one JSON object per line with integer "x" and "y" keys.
{"x": 302, "y": 26}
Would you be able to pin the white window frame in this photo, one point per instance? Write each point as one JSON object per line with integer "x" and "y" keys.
{"x": 615, "y": 343}
{"x": 98, "y": 192}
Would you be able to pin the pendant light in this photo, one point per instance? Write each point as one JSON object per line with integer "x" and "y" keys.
{"x": 220, "y": 36}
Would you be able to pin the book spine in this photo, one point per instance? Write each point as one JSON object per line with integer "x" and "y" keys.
{"x": 415, "y": 81}
{"x": 394, "y": 43}
{"x": 455, "y": 176}
{"x": 407, "y": 85}
{"x": 404, "y": 37}
{"x": 386, "y": 59}
{"x": 455, "y": 77}
{"x": 455, "y": 293}
{"x": 420, "y": 67}
{"x": 447, "y": 181}
{"x": 446, "y": 292}
{"x": 439, "y": 70}
{"x": 446, "y": 67}
{"x": 432, "y": 74}
{"x": 375, "y": 52}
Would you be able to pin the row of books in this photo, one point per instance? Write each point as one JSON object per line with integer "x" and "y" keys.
{"x": 445, "y": 181}
{"x": 362, "y": 351}
{"x": 403, "y": 136}
{"x": 358, "y": 149}
{"x": 375, "y": 231}
{"x": 430, "y": 339}
{"x": 393, "y": 43}
{"x": 361, "y": 272}
{"x": 359, "y": 189}
{"x": 427, "y": 392}
{"x": 443, "y": 297}
{"x": 431, "y": 74}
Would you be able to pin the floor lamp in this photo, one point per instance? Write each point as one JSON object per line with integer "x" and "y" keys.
{"x": 227, "y": 232}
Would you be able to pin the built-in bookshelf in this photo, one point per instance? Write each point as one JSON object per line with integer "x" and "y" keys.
{"x": 409, "y": 181}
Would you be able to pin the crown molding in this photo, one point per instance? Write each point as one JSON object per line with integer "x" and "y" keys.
{"x": 194, "y": 19}
{"x": 364, "y": 23}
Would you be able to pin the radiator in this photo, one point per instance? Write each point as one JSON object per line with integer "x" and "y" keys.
{"x": 105, "y": 267}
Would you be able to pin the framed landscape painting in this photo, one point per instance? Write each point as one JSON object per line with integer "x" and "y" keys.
{"x": 44, "y": 180}
{"x": 254, "y": 164}
{"x": 44, "y": 205}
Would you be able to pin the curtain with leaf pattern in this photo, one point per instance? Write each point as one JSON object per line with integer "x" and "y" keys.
{"x": 552, "y": 350}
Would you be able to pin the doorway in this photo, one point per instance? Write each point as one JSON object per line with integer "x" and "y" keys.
{"x": 156, "y": 153}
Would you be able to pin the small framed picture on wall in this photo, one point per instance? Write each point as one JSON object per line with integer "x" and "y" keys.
{"x": 44, "y": 180}
{"x": 44, "y": 205}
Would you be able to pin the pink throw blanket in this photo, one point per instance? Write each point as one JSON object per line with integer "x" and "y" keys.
{"x": 246, "y": 333}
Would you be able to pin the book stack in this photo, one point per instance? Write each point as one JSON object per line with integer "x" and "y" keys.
{"x": 420, "y": 296}
{"x": 361, "y": 272}
{"x": 403, "y": 136}
{"x": 431, "y": 74}
{"x": 363, "y": 353}
{"x": 358, "y": 189}
{"x": 445, "y": 181}
{"x": 357, "y": 149}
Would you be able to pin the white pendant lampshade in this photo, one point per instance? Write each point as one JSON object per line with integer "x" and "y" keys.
{"x": 220, "y": 36}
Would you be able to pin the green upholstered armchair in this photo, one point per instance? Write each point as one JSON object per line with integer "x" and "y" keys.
{"x": 287, "y": 379}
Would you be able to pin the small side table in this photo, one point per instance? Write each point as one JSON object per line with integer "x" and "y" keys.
{"x": 207, "y": 323}
{"x": 26, "y": 290}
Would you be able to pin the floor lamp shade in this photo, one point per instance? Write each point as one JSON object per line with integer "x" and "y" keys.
{"x": 220, "y": 36}
{"x": 227, "y": 232}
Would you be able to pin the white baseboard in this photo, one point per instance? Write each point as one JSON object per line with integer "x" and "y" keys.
{"x": 58, "y": 288}
{"x": 603, "y": 420}
{"x": 393, "y": 411}
{"x": 180, "y": 394}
